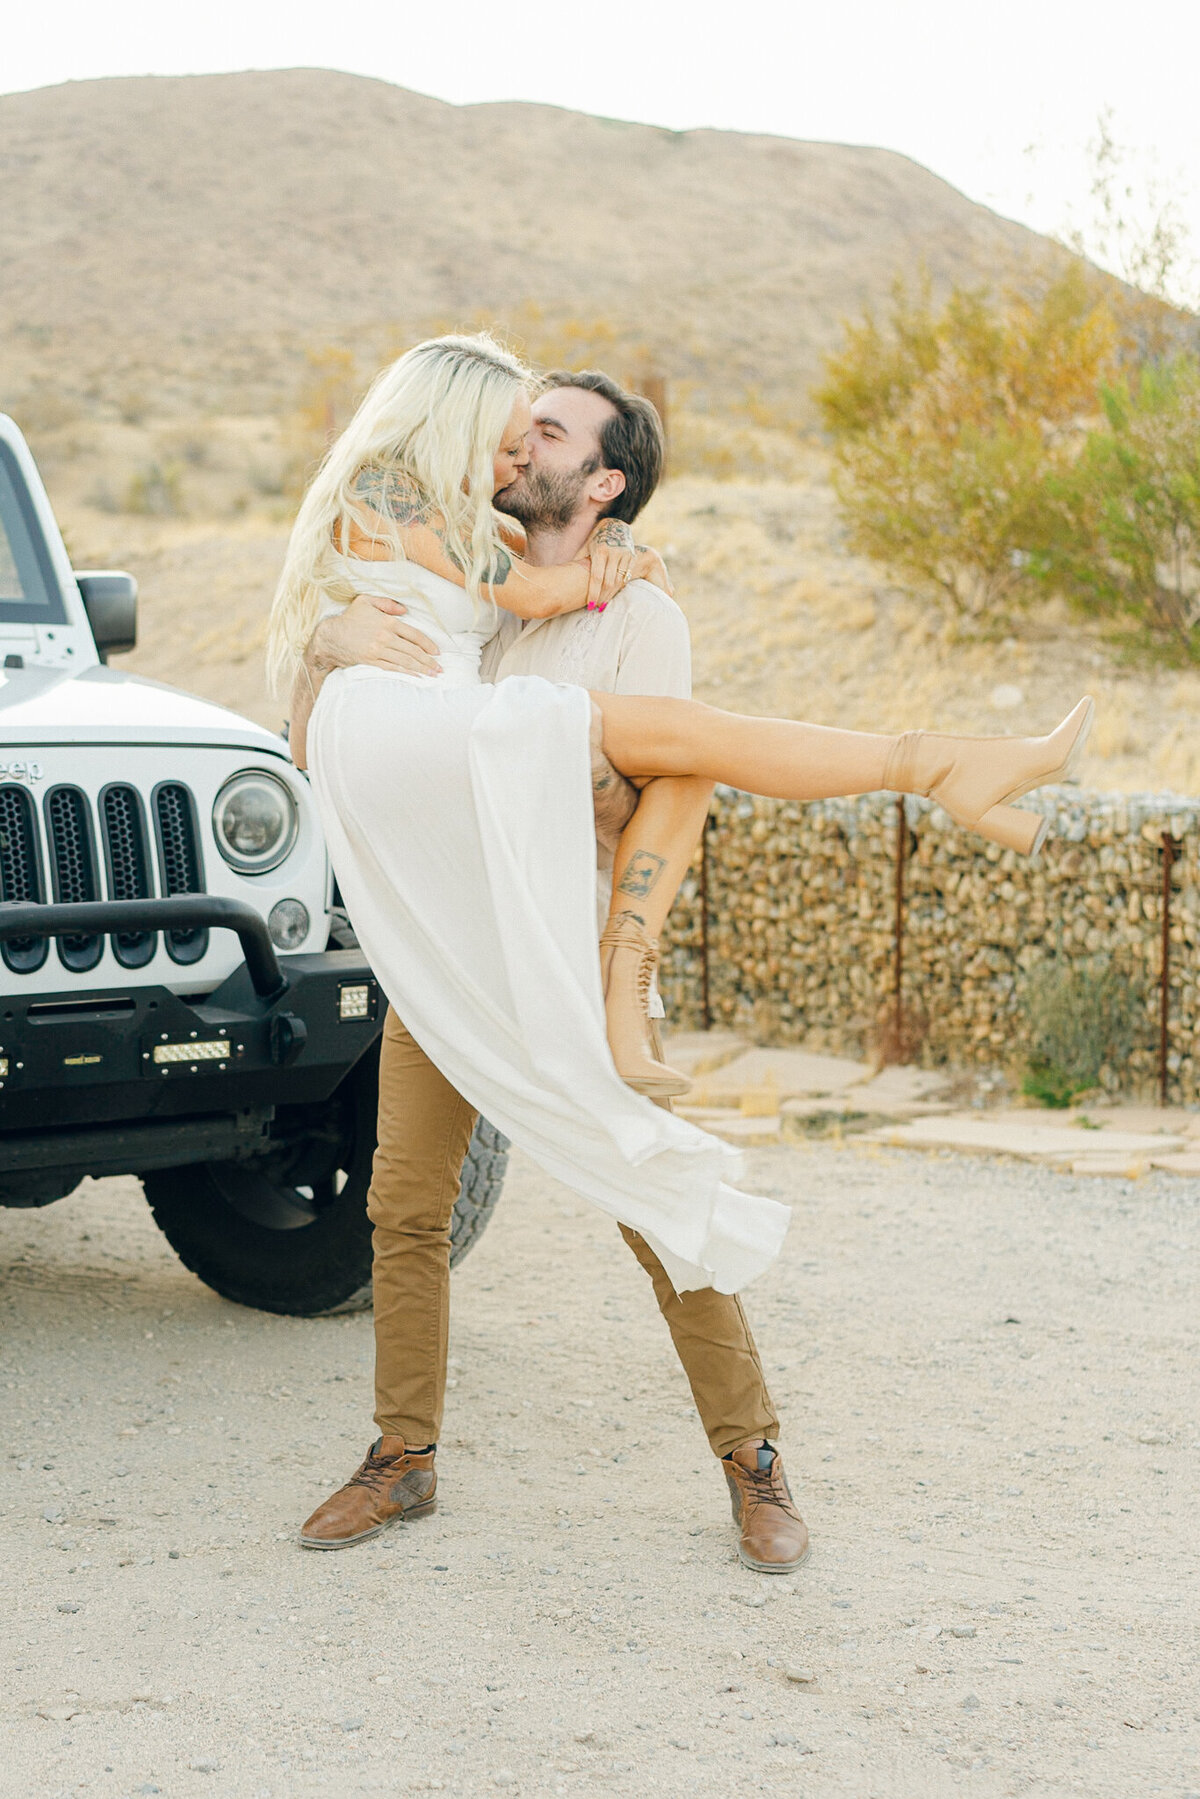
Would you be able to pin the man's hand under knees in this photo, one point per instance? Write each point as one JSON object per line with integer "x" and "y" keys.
{"x": 372, "y": 630}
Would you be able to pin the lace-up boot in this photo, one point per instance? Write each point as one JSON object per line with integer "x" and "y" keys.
{"x": 393, "y": 1483}
{"x": 774, "y": 1537}
{"x": 628, "y": 959}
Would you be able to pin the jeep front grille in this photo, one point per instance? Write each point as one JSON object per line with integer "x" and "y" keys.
{"x": 73, "y": 869}
{"x": 179, "y": 861}
{"x": 20, "y": 874}
{"x": 127, "y": 854}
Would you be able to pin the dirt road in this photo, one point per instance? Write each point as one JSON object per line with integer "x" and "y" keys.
{"x": 989, "y": 1381}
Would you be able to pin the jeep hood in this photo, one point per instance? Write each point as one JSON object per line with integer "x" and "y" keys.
{"x": 104, "y": 705}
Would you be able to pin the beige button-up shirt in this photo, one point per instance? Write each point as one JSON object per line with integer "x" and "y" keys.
{"x": 638, "y": 644}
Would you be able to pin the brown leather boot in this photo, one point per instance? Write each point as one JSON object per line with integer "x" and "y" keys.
{"x": 774, "y": 1537}
{"x": 628, "y": 959}
{"x": 392, "y": 1484}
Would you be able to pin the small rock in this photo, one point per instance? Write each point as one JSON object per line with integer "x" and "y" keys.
{"x": 971, "y": 1702}
{"x": 348, "y": 1724}
{"x": 69, "y": 1605}
{"x": 54, "y": 1515}
{"x": 57, "y": 1714}
{"x": 751, "y": 1599}
{"x": 204, "y": 1767}
{"x": 781, "y": 1741}
{"x": 585, "y": 1736}
{"x": 962, "y": 1630}
{"x": 680, "y": 1743}
{"x": 803, "y": 1677}
{"x": 148, "y": 1787}
{"x": 505, "y": 1778}
{"x": 1155, "y": 1437}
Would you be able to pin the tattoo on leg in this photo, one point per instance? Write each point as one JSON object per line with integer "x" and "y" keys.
{"x": 643, "y": 871}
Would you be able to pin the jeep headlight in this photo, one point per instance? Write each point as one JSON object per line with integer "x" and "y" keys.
{"x": 255, "y": 821}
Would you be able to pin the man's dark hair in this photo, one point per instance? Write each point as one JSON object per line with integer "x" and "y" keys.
{"x": 631, "y": 439}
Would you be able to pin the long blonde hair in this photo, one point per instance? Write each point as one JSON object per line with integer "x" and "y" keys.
{"x": 437, "y": 415}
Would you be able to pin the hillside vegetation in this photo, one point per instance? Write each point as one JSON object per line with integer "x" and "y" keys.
{"x": 181, "y": 242}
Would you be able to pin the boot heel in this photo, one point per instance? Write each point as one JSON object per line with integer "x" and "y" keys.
{"x": 1013, "y": 829}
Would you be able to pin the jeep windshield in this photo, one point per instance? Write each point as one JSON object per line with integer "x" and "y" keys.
{"x": 29, "y": 592}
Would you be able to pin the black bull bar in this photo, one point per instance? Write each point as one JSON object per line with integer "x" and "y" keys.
{"x": 98, "y": 918}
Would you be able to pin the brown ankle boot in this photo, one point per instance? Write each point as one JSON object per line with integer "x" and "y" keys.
{"x": 628, "y": 959}
{"x": 774, "y": 1537}
{"x": 392, "y": 1484}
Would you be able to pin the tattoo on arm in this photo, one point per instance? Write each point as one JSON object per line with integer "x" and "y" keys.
{"x": 614, "y": 533}
{"x": 501, "y": 568}
{"x": 392, "y": 494}
{"x": 642, "y": 873}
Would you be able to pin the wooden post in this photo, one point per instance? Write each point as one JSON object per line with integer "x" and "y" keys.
{"x": 1170, "y": 849}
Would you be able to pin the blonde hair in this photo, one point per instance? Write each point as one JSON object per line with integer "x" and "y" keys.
{"x": 437, "y": 415}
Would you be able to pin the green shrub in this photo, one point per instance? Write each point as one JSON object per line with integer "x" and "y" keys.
{"x": 947, "y": 423}
{"x": 1081, "y": 1019}
{"x": 1128, "y": 537}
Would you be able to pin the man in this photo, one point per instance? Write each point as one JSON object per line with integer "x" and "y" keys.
{"x": 594, "y": 452}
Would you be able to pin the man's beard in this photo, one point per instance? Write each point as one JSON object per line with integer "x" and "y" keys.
{"x": 543, "y": 500}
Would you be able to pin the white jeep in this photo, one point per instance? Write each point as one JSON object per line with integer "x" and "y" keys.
{"x": 181, "y": 997}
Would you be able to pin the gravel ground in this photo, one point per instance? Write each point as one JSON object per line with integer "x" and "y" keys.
{"x": 988, "y": 1377}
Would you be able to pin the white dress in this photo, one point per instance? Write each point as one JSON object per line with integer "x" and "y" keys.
{"x": 459, "y": 821}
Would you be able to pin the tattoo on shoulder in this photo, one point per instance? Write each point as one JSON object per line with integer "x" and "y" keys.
{"x": 614, "y": 533}
{"x": 642, "y": 873}
{"x": 392, "y": 494}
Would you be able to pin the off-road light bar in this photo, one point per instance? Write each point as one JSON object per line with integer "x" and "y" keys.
{"x": 215, "y": 1049}
{"x": 354, "y": 1002}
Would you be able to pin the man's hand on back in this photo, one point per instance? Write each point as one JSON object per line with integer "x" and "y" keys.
{"x": 372, "y": 630}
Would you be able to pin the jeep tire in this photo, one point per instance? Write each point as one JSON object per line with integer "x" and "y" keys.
{"x": 287, "y": 1231}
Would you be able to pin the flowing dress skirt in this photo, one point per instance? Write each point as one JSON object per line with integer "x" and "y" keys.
{"x": 459, "y": 822}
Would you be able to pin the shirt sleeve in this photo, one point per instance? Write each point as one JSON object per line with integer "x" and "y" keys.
{"x": 656, "y": 652}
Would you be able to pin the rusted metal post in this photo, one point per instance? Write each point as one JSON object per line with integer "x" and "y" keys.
{"x": 1170, "y": 855}
{"x": 705, "y": 1002}
{"x": 898, "y": 954}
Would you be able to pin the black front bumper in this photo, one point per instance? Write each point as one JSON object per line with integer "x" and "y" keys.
{"x": 78, "y": 1071}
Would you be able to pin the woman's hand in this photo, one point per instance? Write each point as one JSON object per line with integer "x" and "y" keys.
{"x": 609, "y": 552}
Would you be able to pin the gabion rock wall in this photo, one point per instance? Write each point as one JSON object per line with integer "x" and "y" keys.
{"x": 802, "y": 924}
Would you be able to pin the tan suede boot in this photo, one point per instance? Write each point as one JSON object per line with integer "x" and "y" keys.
{"x": 628, "y": 959}
{"x": 392, "y": 1484}
{"x": 976, "y": 778}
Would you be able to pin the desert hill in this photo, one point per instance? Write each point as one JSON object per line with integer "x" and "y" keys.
{"x": 206, "y": 230}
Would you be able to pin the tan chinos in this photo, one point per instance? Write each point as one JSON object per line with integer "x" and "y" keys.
{"x": 424, "y": 1131}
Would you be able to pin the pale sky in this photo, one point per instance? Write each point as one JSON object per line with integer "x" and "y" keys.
{"x": 1001, "y": 100}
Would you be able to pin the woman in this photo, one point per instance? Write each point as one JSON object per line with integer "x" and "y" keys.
{"x": 459, "y": 816}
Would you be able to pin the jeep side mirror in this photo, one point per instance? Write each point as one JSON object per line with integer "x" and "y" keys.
{"x": 110, "y": 601}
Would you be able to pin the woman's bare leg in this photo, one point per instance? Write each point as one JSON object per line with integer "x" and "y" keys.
{"x": 651, "y": 737}
{"x": 657, "y": 846}
{"x": 974, "y": 778}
